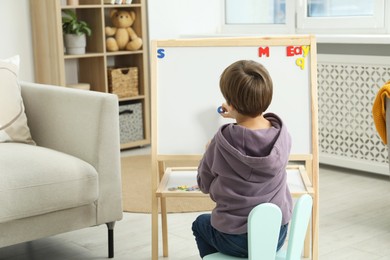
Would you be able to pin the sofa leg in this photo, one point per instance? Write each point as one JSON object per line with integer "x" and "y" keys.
{"x": 110, "y": 227}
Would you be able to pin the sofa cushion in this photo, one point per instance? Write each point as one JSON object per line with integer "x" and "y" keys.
{"x": 13, "y": 120}
{"x": 36, "y": 180}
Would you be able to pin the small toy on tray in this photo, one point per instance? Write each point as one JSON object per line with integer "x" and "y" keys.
{"x": 184, "y": 188}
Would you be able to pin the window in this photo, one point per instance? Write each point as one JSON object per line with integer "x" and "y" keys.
{"x": 331, "y": 8}
{"x": 255, "y": 12}
{"x": 254, "y": 16}
{"x": 332, "y": 16}
{"x": 312, "y": 16}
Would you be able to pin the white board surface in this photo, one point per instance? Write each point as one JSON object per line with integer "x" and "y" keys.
{"x": 187, "y": 95}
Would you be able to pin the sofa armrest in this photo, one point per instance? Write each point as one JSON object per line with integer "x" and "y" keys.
{"x": 84, "y": 124}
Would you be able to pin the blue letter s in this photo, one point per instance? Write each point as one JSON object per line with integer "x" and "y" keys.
{"x": 160, "y": 53}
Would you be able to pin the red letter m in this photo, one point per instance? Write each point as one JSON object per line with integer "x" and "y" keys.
{"x": 263, "y": 51}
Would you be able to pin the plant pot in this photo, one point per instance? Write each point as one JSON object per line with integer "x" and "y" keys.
{"x": 75, "y": 44}
{"x": 72, "y": 2}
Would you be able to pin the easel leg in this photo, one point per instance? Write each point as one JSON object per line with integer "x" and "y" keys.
{"x": 154, "y": 227}
{"x": 308, "y": 240}
{"x": 164, "y": 226}
{"x": 315, "y": 228}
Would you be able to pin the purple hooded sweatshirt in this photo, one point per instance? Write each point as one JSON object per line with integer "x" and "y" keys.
{"x": 242, "y": 168}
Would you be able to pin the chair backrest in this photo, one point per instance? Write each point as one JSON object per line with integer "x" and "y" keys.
{"x": 264, "y": 223}
{"x": 298, "y": 227}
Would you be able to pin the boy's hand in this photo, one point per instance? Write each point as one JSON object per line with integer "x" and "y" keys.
{"x": 226, "y": 111}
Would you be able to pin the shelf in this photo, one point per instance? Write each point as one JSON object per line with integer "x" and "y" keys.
{"x": 297, "y": 180}
{"x": 80, "y": 6}
{"x": 122, "y": 6}
{"x": 138, "y": 143}
{"x": 82, "y": 56}
{"x": 140, "y": 97}
{"x": 116, "y": 53}
{"x": 58, "y": 68}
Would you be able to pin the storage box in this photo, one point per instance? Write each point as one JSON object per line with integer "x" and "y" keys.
{"x": 131, "y": 122}
{"x": 123, "y": 81}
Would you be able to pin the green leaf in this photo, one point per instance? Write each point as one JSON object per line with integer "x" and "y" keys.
{"x": 71, "y": 25}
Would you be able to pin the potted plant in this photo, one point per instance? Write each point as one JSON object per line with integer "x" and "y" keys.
{"x": 75, "y": 32}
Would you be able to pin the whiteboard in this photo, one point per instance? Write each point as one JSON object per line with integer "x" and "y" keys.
{"x": 186, "y": 95}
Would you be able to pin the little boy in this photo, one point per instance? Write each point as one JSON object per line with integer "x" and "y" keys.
{"x": 244, "y": 164}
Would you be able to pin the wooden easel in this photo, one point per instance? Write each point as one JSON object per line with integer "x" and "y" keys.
{"x": 306, "y": 164}
{"x": 302, "y": 184}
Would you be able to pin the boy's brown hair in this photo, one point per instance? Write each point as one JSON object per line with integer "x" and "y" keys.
{"x": 247, "y": 86}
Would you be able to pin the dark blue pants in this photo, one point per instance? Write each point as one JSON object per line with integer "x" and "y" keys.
{"x": 210, "y": 240}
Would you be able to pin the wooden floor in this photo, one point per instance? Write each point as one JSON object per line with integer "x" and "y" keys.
{"x": 354, "y": 224}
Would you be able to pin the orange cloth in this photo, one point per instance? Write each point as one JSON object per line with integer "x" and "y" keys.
{"x": 379, "y": 110}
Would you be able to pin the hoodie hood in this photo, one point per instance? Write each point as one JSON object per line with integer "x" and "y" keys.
{"x": 253, "y": 162}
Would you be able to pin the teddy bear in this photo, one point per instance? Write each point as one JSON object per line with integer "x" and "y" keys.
{"x": 122, "y": 36}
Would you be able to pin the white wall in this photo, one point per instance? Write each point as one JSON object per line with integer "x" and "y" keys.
{"x": 167, "y": 19}
{"x": 15, "y": 31}
{"x": 170, "y": 19}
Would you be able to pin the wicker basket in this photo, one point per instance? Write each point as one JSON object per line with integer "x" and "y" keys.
{"x": 123, "y": 81}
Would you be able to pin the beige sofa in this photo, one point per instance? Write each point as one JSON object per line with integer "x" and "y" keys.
{"x": 71, "y": 179}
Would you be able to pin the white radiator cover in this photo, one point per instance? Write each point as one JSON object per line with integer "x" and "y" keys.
{"x": 347, "y": 87}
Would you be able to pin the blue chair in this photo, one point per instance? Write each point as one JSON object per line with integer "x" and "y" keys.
{"x": 265, "y": 218}
{"x": 262, "y": 245}
{"x": 298, "y": 227}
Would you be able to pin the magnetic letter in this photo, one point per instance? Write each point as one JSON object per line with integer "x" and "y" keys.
{"x": 290, "y": 50}
{"x": 160, "y": 53}
{"x": 305, "y": 50}
{"x": 298, "y": 50}
{"x": 263, "y": 51}
{"x": 300, "y": 63}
